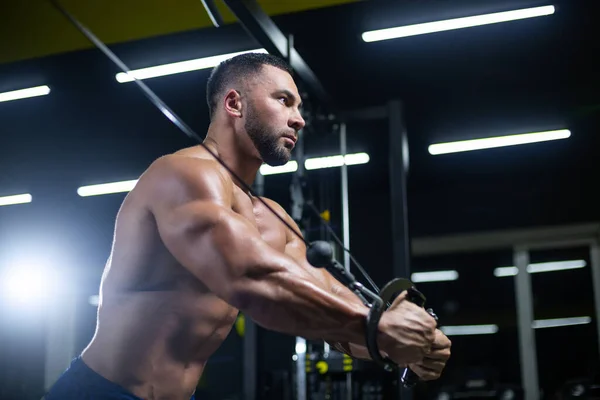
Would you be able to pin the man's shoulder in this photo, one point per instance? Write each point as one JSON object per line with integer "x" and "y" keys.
{"x": 180, "y": 165}
{"x": 275, "y": 206}
{"x": 175, "y": 174}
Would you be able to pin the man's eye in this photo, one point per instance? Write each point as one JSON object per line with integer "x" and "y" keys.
{"x": 283, "y": 100}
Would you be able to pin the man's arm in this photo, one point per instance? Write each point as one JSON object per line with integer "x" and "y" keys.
{"x": 190, "y": 200}
{"x": 432, "y": 364}
{"x": 296, "y": 249}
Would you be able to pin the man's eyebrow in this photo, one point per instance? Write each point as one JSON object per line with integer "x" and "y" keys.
{"x": 292, "y": 96}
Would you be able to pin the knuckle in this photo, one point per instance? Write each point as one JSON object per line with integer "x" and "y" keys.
{"x": 431, "y": 324}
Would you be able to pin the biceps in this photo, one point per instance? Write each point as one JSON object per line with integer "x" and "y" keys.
{"x": 207, "y": 240}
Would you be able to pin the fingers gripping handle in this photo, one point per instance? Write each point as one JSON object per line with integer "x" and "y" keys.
{"x": 409, "y": 378}
{"x": 320, "y": 255}
{"x": 387, "y": 294}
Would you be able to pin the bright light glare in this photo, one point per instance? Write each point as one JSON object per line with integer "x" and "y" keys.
{"x": 456, "y": 23}
{"x": 336, "y": 161}
{"x": 434, "y": 276}
{"x": 27, "y": 285}
{"x": 179, "y": 67}
{"x": 300, "y": 347}
{"x": 94, "y": 300}
{"x": 541, "y": 267}
{"x": 15, "y": 199}
{"x": 500, "y": 141}
{"x": 558, "y": 322}
{"x": 106, "y": 188}
{"x": 291, "y": 166}
{"x": 469, "y": 330}
{"x": 25, "y": 93}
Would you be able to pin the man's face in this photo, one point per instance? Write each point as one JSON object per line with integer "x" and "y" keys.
{"x": 272, "y": 115}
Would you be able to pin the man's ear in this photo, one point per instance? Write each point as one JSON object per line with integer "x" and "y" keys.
{"x": 233, "y": 103}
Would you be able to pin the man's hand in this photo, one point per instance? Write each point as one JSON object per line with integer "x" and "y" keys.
{"x": 433, "y": 364}
{"x": 406, "y": 332}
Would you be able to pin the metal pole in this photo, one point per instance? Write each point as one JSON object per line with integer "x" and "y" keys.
{"x": 529, "y": 371}
{"x": 345, "y": 212}
{"x": 262, "y": 28}
{"x": 398, "y": 181}
{"x": 250, "y": 332}
{"x": 297, "y": 207}
{"x": 345, "y": 227}
{"x": 595, "y": 260}
{"x": 398, "y": 161}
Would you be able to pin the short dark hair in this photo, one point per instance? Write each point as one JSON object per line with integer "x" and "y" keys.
{"x": 238, "y": 67}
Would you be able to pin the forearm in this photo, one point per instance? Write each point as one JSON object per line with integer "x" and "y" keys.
{"x": 353, "y": 349}
{"x": 291, "y": 301}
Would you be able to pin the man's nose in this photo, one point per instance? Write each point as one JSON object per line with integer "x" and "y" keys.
{"x": 296, "y": 121}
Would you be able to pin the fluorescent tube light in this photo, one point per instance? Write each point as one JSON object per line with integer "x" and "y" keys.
{"x": 555, "y": 266}
{"x": 336, "y": 161}
{"x": 434, "y": 276}
{"x": 317, "y": 163}
{"x": 179, "y": 67}
{"x": 541, "y": 267}
{"x": 15, "y": 199}
{"x": 456, "y": 23}
{"x": 469, "y": 330}
{"x": 505, "y": 271}
{"x": 500, "y": 141}
{"x": 106, "y": 188}
{"x": 553, "y": 323}
{"x": 291, "y": 166}
{"x": 24, "y": 93}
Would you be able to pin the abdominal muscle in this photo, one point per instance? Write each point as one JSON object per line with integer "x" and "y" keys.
{"x": 156, "y": 343}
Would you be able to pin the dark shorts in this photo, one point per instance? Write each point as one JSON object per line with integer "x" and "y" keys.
{"x": 80, "y": 382}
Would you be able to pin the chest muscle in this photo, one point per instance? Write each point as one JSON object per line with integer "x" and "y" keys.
{"x": 270, "y": 228}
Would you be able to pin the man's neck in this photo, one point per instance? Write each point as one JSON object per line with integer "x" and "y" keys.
{"x": 226, "y": 148}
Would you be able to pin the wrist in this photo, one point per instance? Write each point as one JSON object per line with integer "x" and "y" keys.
{"x": 383, "y": 338}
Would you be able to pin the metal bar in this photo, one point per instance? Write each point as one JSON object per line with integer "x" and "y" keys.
{"x": 213, "y": 12}
{"x": 260, "y": 26}
{"x": 345, "y": 227}
{"x": 296, "y": 195}
{"x": 60, "y": 338}
{"x": 595, "y": 261}
{"x": 250, "y": 362}
{"x": 484, "y": 241}
{"x": 345, "y": 211}
{"x": 529, "y": 371}
{"x": 250, "y": 340}
{"x": 300, "y": 368}
{"x": 297, "y": 208}
{"x": 398, "y": 164}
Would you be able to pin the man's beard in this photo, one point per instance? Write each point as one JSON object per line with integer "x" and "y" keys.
{"x": 265, "y": 141}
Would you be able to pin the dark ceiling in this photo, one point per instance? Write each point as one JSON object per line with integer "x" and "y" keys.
{"x": 515, "y": 77}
